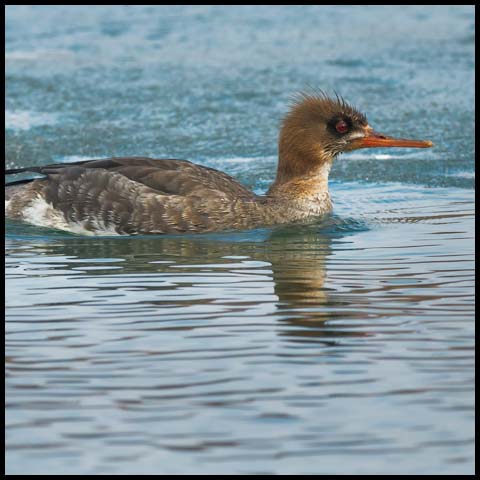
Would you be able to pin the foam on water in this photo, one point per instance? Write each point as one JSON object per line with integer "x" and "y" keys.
{"x": 25, "y": 120}
{"x": 35, "y": 55}
{"x": 370, "y": 155}
{"x": 461, "y": 174}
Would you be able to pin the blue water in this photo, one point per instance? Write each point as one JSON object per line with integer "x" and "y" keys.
{"x": 341, "y": 347}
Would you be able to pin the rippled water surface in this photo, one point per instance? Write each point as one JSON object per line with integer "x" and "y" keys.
{"x": 341, "y": 347}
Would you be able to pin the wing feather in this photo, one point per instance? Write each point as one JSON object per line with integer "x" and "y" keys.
{"x": 138, "y": 195}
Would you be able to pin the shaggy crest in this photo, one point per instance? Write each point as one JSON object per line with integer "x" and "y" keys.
{"x": 321, "y": 105}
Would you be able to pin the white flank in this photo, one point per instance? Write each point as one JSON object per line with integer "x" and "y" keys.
{"x": 43, "y": 214}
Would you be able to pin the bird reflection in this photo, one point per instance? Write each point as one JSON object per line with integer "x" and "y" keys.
{"x": 294, "y": 257}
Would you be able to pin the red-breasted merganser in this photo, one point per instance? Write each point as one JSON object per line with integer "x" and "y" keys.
{"x": 143, "y": 195}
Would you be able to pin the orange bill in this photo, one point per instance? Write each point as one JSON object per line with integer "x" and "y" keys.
{"x": 374, "y": 139}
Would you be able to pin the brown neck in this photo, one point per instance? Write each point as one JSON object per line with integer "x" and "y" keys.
{"x": 303, "y": 167}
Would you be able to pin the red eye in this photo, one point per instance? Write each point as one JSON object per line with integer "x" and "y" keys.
{"x": 341, "y": 126}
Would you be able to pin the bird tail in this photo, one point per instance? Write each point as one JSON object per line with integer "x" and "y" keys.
{"x": 12, "y": 171}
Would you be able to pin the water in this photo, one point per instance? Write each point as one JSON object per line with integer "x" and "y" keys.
{"x": 341, "y": 347}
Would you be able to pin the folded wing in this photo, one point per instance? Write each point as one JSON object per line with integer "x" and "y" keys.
{"x": 135, "y": 195}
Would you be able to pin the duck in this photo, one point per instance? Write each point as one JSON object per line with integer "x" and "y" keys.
{"x": 139, "y": 195}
